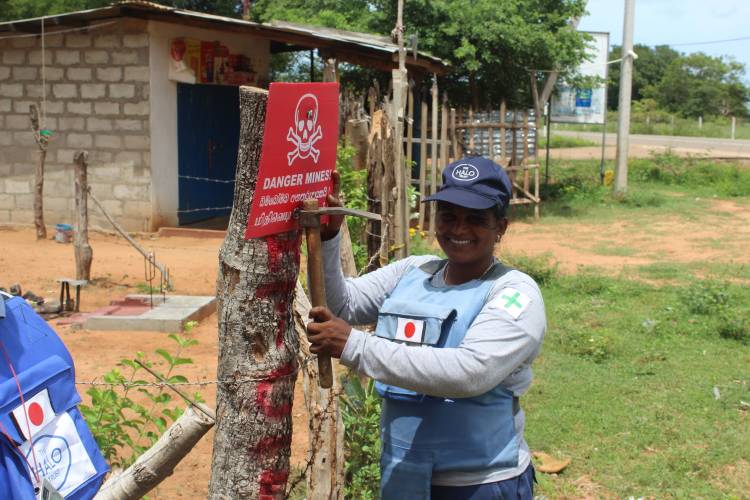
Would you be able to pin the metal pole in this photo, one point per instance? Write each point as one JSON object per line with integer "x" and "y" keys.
{"x": 626, "y": 80}
{"x": 549, "y": 128}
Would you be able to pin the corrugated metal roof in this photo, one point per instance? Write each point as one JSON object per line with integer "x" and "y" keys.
{"x": 359, "y": 48}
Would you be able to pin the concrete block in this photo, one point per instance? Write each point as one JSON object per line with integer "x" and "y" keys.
{"x": 121, "y": 90}
{"x": 5, "y": 140}
{"x": 17, "y": 153}
{"x": 107, "y": 108}
{"x": 135, "y": 40}
{"x": 113, "y": 207}
{"x": 11, "y": 90}
{"x": 64, "y": 57}
{"x": 65, "y": 90}
{"x": 137, "y": 142}
{"x": 107, "y": 41}
{"x": 4, "y": 216}
{"x": 7, "y": 201}
{"x": 22, "y": 107}
{"x": 58, "y": 204}
{"x": 110, "y": 74}
{"x": 93, "y": 90}
{"x": 98, "y": 124}
{"x": 18, "y": 216}
{"x": 124, "y": 57}
{"x": 53, "y": 74}
{"x": 4, "y": 170}
{"x": 5, "y": 107}
{"x": 76, "y": 140}
{"x": 96, "y": 56}
{"x": 101, "y": 190}
{"x": 77, "y": 40}
{"x": 99, "y": 156}
{"x": 136, "y": 73}
{"x": 17, "y": 186}
{"x": 68, "y": 123}
{"x": 136, "y": 108}
{"x": 108, "y": 141}
{"x": 13, "y": 57}
{"x": 130, "y": 157}
{"x": 145, "y": 92}
{"x": 23, "y": 42}
{"x": 23, "y": 138}
{"x": 137, "y": 208}
{"x": 17, "y": 122}
{"x": 35, "y": 57}
{"x": 105, "y": 173}
{"x": 79, "y": 108}
{"x": 25, "y": 73}
{"x": 128, "y": 125}
{"x": 4, "y": 72}
{"x": 55, "y": 107}
{"x": 24, "y": 201}
{"x": 65, "y": 156}
{"x": 131, "y": 192}
{"x": 79, "y": 74}
{"x": 36, "y": 91}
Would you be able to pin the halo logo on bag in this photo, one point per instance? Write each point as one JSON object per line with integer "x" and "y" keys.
{"x": 410, "y": 330}
{"x": 465, "y": 172}
{"x": 59, "y": 455}
{"x": 39, "y": 411}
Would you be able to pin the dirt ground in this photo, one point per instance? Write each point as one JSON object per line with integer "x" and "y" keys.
{"x": 118, "y": 270}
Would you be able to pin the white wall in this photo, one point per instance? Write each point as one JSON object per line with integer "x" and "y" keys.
{"x": 163, "y": 97}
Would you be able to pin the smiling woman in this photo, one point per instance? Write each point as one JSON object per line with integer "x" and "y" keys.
{"x": 452, "y": 350}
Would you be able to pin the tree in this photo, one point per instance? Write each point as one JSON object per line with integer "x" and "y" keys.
{"x": 702, "y": 85}
{"x": 648, "y": 70}
{"x": 491, "y": 45}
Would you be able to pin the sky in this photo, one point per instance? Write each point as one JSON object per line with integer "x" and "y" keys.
{"x": 673, "y": 22}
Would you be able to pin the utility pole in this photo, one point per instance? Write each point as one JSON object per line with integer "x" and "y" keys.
{"x": 626, "y": 79}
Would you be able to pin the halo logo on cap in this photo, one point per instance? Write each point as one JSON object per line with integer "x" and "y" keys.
{"x": 465, "y": 172}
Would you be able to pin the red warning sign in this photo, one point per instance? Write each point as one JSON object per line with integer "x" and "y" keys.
{"x": 298, "y": 155}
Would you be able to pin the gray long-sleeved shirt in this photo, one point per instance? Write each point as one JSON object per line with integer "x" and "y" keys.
{"x": 498, "y": 348}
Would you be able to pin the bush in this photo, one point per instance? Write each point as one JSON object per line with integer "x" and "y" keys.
{"x": 590, "y": 344}
{"x": 706, "y": 297}
{"x": 360, "y": 407}
{"x": 734, "y": 327}
{"x": 542, "y": 268}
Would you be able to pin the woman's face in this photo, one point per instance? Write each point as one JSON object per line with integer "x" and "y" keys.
{"x": 467, "y": 235}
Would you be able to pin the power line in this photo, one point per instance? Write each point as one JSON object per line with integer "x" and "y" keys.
{"x": 706, "y": 43}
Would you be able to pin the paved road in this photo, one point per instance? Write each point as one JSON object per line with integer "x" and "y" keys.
{"x": 679, "y": 144}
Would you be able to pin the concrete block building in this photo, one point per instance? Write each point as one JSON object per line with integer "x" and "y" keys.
{"x": 162, "y": 148}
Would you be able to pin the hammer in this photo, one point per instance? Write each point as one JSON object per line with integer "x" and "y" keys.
{"x": 310, "y": 220}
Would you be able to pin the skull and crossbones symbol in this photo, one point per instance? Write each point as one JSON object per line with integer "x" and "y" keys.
{"x": 306, "y": 130}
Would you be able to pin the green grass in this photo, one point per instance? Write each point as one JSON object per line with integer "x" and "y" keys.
{"x": 712, "y": 127}
{"x": 565, "y": 141}
{"x": 625, "y": 386}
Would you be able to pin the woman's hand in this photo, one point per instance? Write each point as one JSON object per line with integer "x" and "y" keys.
{"x": 327, "y": 334}
{"x": 331, "y": 229}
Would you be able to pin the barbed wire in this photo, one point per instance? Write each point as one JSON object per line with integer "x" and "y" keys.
{"x": 207, "y": 179}
{"x": 59, "y": 32}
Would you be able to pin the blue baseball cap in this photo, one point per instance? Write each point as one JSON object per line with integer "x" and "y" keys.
{"x": 474, "y": 182}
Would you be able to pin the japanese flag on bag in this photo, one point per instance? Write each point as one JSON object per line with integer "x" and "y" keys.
{"x": 34, "y": 415}
{"x": 410, "y": 330}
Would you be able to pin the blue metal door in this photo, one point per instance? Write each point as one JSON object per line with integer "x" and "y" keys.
{"x": 208, "y": 129}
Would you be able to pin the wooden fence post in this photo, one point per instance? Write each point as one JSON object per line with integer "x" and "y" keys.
{"x": 503, "y": 142}
{"x": 83, "y": 252}
{"x": 257, "y": 342}
{"x": 434, "y": 151}
{"x": 42, "y": 139}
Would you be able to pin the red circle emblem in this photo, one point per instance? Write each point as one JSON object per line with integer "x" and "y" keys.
{"x": 409, "y": 330}
{"x": 36, "y": 414}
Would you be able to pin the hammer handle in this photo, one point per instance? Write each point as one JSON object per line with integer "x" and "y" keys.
{"x": 317, "y": 286}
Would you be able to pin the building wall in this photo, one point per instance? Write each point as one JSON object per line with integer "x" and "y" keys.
{"x": 97, "y": 99}
{"x": 164, "y": 105}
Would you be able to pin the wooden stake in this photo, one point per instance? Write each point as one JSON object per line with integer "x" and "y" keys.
{"x": 83, "y": 252}
{"x": 422, "y": 162}
{"x": 41, "y": 140}
{"x": 434, "y": 156}
{"x": 444, "y": 135}
{"x": 316, "y": 283}
{"x": 503, "y": 142}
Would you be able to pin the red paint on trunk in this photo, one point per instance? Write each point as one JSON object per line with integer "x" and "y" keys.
{"x": 266, "y": 404}
{"x": 280, "y": 293}
{"x": 273, "y": 483}
{"x": 278, "y": 248}
{"x": 270, "y": 445}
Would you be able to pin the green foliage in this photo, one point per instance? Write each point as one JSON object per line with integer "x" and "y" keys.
{"x": 542, "y": 268}
{"x": 588, "y": 343}
{"x": 126, "y": 424}
{"x": 565, "y": 141}
{"x": 735, "y": 327}
{"x": 354, "y": 195}
{"x": 490, "y": 44}
{"x": 360, "y": 410}
{"x": 706, "y": 297}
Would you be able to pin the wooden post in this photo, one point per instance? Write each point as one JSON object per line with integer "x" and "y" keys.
{"x": 83, "y": 252}
{"x": 409, "y": 132}
{"x": 454, "y": 137}
{"x": 325, "y": 477}
{"x": 434, "y": 151}
{"x": 422, "y": 161}
{"x": 503, "y": 142}
{"x": 257, "y": 342}
{"x": 311, "y": 223}
{"x": 471, "y": 130}
{"x": 444, "y": 136}
{"x": 514, "y": 137}
{"x": 42, "y": 139}
{"x": 734, "y": 127}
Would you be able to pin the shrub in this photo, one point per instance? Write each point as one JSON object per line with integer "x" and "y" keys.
{"x": 705, "y": 297}
{"x": 541, "y": 267}
{"x": 361, "y": 414}
{"x": 588, "y": 343}
{"x": 734, "y": 327}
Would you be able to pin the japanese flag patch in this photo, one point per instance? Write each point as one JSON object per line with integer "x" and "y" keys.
{"x": 39, "y": 412}
{"x": 410, "y": 330}
{"x": 512, "y": 301}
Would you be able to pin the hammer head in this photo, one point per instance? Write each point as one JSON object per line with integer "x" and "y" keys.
{"x": 311, "y": 212}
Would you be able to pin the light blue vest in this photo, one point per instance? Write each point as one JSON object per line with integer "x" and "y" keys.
{"x": 420, "y": 433}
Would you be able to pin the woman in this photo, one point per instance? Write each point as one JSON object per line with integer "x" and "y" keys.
{"x": 452, "y": 349}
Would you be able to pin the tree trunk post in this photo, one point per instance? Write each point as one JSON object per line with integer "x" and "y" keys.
{"x": 42, "y": 140}
{"x": 257, "y": 342}
{"x": 83, "y": 252}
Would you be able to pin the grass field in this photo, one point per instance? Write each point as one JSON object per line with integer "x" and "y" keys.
{"x": 644, "y": 380}
{"x": 715, "y": 127}
{"x": 564, "y": 141}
